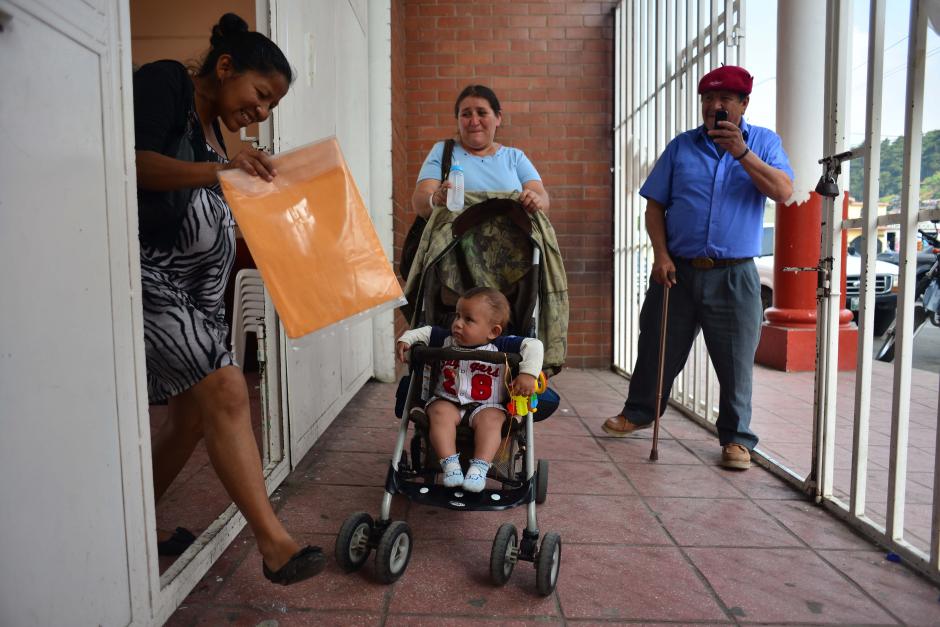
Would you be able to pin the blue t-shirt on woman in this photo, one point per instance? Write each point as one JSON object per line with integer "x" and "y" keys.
{"x": 508, "y": 169}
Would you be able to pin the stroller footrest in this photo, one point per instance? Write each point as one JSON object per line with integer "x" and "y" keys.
{"x": 459, "y": 499}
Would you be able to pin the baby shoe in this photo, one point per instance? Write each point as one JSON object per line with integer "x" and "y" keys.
{"x": 453, "y": 475}
{"x": 475, "y": 480}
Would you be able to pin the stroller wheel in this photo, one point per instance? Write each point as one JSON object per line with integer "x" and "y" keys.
{"x": 352, "y": 543}
{"x": 504, "y": 554}
{"x": 391, "y": 558}
{"x": 547, "y": 564}
{"x": 541, "y": 481}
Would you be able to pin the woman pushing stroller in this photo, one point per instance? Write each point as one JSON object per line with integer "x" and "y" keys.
{"x": 501, "y": 240}
{"x": 471, "y": 389}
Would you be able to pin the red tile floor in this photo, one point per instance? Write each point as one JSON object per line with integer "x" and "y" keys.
{"x": 676, "y": 541}
{"x": 783, "y": 416}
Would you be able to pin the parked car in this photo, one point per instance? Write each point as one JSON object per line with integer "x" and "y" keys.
{"x": 886, "y": 286}
{"x": 925, "y": 258}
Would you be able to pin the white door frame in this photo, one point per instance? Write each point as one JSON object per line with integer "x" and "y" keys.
{"x": 100, "y": 29}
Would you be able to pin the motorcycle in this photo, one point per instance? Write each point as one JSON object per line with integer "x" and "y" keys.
{"x": 926, "y": 305}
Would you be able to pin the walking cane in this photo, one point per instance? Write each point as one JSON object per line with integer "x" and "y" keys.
{"x": 654, "y": 452}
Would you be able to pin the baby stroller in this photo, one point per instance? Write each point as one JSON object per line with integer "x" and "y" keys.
{"x": 522, "y": 480}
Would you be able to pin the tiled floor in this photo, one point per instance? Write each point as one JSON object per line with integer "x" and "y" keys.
{"x": 783, "y": 417}
{"x": 675, "y": 541}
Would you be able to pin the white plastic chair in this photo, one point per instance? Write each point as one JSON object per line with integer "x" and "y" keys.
{"x": 248, "y": 310}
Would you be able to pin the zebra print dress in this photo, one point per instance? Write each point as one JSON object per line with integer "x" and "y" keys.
{"x": 185, "y": 333}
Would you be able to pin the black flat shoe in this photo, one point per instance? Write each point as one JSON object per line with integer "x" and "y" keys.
{"x": 303, "y": 564}
{"x": 177, "y": 543}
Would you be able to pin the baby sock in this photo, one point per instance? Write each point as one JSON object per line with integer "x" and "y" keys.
{"x": 475, "y": 480}
{"x": 453, "y": 475}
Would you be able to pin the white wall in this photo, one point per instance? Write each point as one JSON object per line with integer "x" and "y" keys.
{"x": 328, "y": 44}
{"x": 72, "y": 536}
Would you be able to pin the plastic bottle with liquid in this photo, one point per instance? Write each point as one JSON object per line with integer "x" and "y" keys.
{"x": 455, "y": 192}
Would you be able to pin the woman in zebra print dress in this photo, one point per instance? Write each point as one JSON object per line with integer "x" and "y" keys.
{"x": 242, "y": 78}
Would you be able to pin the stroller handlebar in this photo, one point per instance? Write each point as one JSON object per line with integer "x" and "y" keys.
{"x": 422, "y": 352}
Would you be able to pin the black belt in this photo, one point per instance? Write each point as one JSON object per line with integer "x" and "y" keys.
{"x": 707, "y": 263}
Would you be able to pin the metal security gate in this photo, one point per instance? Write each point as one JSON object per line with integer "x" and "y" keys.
{"x": 662, "y": 49}
{"x": 922, "y": 554}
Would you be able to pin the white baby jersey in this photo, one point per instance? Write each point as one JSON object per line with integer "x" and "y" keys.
{"x": 467, "y": 381}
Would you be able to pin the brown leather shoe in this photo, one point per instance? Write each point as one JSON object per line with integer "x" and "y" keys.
{"x": 619, "y": 426}
{"x": 735, "y": 456}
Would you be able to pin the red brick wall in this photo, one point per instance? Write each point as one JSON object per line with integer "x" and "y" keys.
{"x": 550, "y": 65}
{"x": 401, "y": 188}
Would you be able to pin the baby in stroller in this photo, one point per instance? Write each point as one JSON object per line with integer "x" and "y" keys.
{"x": 460, "y": 372}
{"x": 473, "y": 390}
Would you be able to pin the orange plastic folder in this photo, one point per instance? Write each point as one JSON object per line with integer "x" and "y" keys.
{"x": 312, "y": 239}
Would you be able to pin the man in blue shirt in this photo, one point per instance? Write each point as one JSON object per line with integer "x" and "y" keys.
{"x": 704, "y": 214}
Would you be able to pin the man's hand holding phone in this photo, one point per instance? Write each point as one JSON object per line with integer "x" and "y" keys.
{"x": 728, "y": 136}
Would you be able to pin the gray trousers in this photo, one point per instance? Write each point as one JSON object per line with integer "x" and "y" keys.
{"x": 725, "y": 304}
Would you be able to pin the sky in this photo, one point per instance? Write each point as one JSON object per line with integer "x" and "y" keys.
{"x": 761, "y": 59}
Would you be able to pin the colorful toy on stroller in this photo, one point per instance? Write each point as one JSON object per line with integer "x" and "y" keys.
{"x": 522, "y": 480}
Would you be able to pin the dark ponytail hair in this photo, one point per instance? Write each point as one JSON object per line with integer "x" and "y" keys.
{"x": 478, "y": 91}
{"x": 249, "y": 50}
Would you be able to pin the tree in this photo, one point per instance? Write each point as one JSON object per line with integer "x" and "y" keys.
{"x": 892, "y": 166}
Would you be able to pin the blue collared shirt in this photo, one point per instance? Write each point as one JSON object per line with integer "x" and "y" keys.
{"x": 713, "y": 208}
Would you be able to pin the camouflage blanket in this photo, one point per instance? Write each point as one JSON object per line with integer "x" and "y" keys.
{"x": 492, "y": 255}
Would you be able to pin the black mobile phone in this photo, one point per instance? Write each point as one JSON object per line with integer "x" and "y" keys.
{"x": 720, "y": 116}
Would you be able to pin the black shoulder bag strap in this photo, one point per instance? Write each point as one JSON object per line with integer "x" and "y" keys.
{"x": 446, "y": 159}
{"x": 410, "y": 247}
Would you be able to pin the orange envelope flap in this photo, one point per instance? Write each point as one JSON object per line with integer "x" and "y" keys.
{"x": 312, "y": 239}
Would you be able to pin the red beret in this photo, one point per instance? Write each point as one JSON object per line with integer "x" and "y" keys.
{"x": 727, "y": 78}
